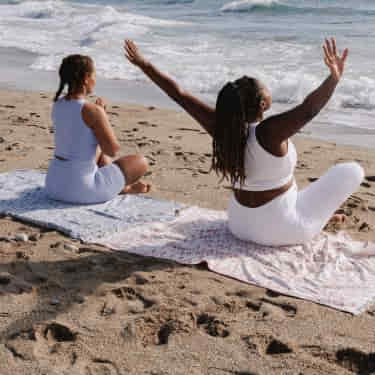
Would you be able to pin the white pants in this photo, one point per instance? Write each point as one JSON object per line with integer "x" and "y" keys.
{"x": 295, "y": 217}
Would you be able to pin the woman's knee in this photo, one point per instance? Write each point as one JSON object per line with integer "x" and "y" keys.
{"x": 350, "y": 174}
{"x": 133, "y": 167}
{"x": 142, "y": 164}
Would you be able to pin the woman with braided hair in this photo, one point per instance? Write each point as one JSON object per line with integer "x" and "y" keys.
{"x": 82, "y": 170}
{"x": 258, "y": 157}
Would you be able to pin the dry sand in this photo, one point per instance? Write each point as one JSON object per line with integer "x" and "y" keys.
{"x": 69, "y": 308}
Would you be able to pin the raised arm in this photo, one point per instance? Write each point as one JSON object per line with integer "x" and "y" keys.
{"x": 201, "y": 112}
{"x": 276, "y": 129}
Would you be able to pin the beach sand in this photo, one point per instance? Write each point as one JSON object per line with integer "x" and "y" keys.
{"x": 71, "y": 308}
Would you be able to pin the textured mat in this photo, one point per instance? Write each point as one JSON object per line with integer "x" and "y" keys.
{"x": 332, "y": 270}
{"x": 22, "y": 196}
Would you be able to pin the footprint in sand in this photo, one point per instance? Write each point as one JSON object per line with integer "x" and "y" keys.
{"x": 165, "y": 331}
{"x": 12, "y": 284}
{"x": 58, "y": 332}
{"x": 229, "y": 304}
{"x": 276, "y": 310}
{"x": 264, "y": 308}
{"x": 247, "y": 298}
{"x": 141, "y": 278}
{"x": 21, "y": 345}
{"x": 213, "y": 326}
{"x": 101, "y": 367}
{"x": 55, "y": 343}
{"x": 267, "y": 345}
{"x": 351, "y": 359}
{"x": 356, "y": 361}
{"x": 159, "y": 327}
{"x": 44, "y": 343}
{"x": 136, "y": 301}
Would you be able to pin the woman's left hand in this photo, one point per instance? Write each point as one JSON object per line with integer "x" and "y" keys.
{"x": 335, "y": 62}
{"x": 132, "y": 53}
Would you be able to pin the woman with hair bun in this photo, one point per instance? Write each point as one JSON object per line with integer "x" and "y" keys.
{"x": 82, "y": 170}
{"x": 257, "y": 156}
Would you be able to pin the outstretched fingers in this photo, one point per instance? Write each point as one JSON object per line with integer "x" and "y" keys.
{"x": 334, "y": 48}
{"x": 127, "y": 50}
{"x": 328, "y": 47}
{"x": 335, "y": 51}
{"x": 332, "y": 59}
{"x": 132, "y": 54}
{"x": 327, "y": 54}
{"x": 344, "y": 55}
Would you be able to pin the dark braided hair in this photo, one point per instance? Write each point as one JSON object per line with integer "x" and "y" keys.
{"x": 238, "y": 104}
{"x": 73, "y": 71}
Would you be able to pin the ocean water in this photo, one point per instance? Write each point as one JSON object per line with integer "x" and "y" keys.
{"x": 204, "y": 43}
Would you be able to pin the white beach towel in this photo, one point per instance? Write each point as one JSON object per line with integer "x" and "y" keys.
{"x": 22, "y": 196}
{"x": 332, "y": 270}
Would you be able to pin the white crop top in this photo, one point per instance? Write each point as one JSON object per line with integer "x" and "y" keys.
{"x": 74, "y": 140}
{"x": 263, "y": 170}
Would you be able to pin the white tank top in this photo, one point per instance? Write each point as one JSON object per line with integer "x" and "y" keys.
{"x": 263, "y": 170}
{"x": 74, "y": 140}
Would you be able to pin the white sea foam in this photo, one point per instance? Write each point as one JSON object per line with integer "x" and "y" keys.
{"x": 244, "y": 5}
{"x": 57, "y": 27}
{"x": 54, "y": 29}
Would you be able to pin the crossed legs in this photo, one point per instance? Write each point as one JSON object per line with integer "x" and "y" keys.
{"x": 133, "y": 168}
{"x": 317, "y": 203}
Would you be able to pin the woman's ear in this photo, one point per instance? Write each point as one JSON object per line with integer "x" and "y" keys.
{"x": 87, "y": 77}
{"x": 262, "y": 108}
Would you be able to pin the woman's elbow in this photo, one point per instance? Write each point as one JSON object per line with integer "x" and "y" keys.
{"x": 112, "y": 150}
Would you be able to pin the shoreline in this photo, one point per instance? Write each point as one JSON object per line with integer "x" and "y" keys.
{"x": 15, "y": 63}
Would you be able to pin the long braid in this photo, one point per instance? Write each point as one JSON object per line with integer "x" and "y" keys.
{"x": 237, "y": 104}
{"x": 59, "y": 91}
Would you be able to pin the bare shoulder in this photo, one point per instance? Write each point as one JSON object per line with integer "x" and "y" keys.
{"x": 263, "y": 132}
{"x": 266, "y": 136}
{"x": 91, "y": 113}
{"x": 92, "y": 108}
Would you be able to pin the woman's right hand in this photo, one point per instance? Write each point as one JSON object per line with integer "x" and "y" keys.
{"x": 132, "y": 53}
{"x": 100, "y": 102}
{"x": 334, "y": 62}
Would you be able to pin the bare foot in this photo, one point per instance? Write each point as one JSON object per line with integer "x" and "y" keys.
{"x": 136, "y": 188}
{"x": 336, "y": 223}
{"x": 338, "y": 219}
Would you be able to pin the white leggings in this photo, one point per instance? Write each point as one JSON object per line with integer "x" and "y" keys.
{"x": 295, "y": 217}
